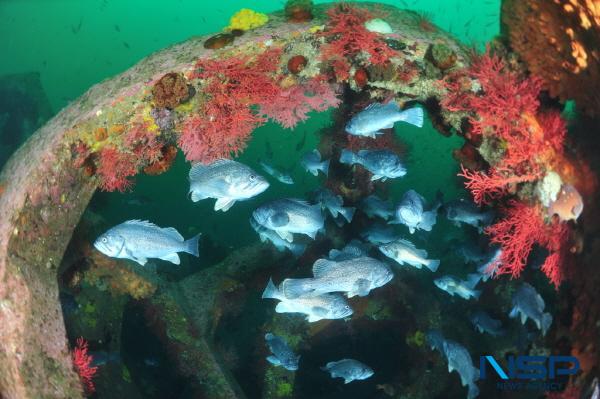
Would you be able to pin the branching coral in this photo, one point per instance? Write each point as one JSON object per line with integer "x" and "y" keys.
{"x": 523, "y": 145}
{"x": 558, "y": 39}
{"x": 347, "y": 36}
{"x": 115, "y": 168}
{"x": 83, "y": 364}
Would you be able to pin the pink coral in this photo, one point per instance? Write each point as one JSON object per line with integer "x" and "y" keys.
{"x": 82, "y": 362}
{"x": 293, "y": 104}
{"x": 115, "y": 168}
{"x": 347, "y": 35}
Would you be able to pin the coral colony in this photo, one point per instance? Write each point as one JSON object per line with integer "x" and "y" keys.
{"x": 83, "y": 364}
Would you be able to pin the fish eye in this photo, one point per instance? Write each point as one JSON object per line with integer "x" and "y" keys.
{"x": 104, "y": 239}
{"x": 252, "y": 177}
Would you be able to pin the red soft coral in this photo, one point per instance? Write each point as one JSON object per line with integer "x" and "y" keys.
{"x": 83, "y": 364}
{"x": 347, "y": 35}
{"x": 521, "y": 229}
{"x": 115, "y": 168}
{"x": 491, "y": 186}
{"x": 293, "y": 104}
{"x": 144, "y": 143}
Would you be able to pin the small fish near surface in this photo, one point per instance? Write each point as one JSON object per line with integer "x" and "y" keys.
{"x": 377, "y": 116}
{"x": 355, "y": 277}
{"x": 139, "y": 240}
{"x": 282, "y": 354}
{"x": 486, "y": 324}
{"x": 529, "y": 304}
{"x": 348, "y": 369}
{"x": 312, "y": 162}
{"x": 460, "y": 360}
{"x": 279, "y": 243}
{"x": 334, "y": 204}
{"x": 463, "y": 211}
{"x": 290, "y": 215}
{"x": 271, "y": 170}
{"x": 225, "y": 180}
{"x": 326, "y": 306}
{"x": 383, "y": 164}
{"x": 404, "y": 251}
{"x": 463, "y": 288}
{"x": 374, "y": 206}
{"x": 412, "y": 212}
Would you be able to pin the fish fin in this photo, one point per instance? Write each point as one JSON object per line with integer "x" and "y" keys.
{"x": 191, "y": 245}
{"x": 376, "y": 177}
{"x": 296, "y": 287}
{"x": 473, "y": 279}
{"x": 323, "y": 266}
{"x": 390, "y": 126}
{"x": 514, "y": 312}
{"x": 279, "y": 219}
{"x": 196, "y": 171}
{"x": 284, "y": 307}
{"x": 473, "y": 389}
{"x": 314, "y": 172}
{"x": 297, "y": 249}
{"x": 450, "y": 367}
{"x": 271, "y": 291}
{"x": 312, "y": 234}
{"x": 173, "y": 232}
{"x": 348, "y": 213}
{"x": 411, "y": 230}
{"x": 546, "y": 322}
{"x": 413, "y": 116}
{"x": 269, "y": 336}
{"x": 312, "y": 318}
{"x": 476, "y": 294}
{"x": 173, "y": 258}
{"x": 374, "y": 134}
{"x": 523, "y": 318}
{"x": 325, "y": 167}
{"x": 428, "y": 220}
{"x": 362, "y": 287}
{"x": 195, "y": 196}
{"x": 539, "y": 301}
{"x": 223, "y": 204}
{"x": 407, "y": 244}
{"x": 142, "y": 223}
{"x": 319, "y": 311}
{"x": 273, "y": 360}
{"x": 347, "y": 380}
{"x": 285, "y": 235}
{"x": 391, "y": 106}
{"x": 433, "y": 264}
{"x": 348, "y": 157}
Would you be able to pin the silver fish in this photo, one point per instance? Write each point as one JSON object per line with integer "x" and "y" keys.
{"x": 463, "y": 211}
{"x": 334, "y": 204}
{"x": 290, "y": 215}
{"x": 139, "y": 240}
{"x": 282, "y": 177}
{"x": 460, "y": 360}
{"x": 279, "y": 243}
{"x": 377, "y": 116}
{"x": 311, "y": 161}
{"x": 470, "y": 251}
{"x": 225, "y": 180}
{"x": 484, "y": 323}
{"x": 383, "y": 164}
{"x": 326, "y": 306}
{"x": 375, "y": 206}
{"x": 354, "y": 276}
{"x": 379, "y": 233}
{"x": 354, "y": 249}
{"x": 348, "y": 369}
{"x": 435, "y": 339}
{"x": 282, "y": 354}
{"x": 404, "y": 251}
{"x": 463, "y": 288}
{"x": 489, "y": 269}
{"x": 411, "y": 212}
{"x": 528, "y": 304}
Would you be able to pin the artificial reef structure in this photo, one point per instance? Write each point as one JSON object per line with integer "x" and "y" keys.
{"x": 204, "y": 97}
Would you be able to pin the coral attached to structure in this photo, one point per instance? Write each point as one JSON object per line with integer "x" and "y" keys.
{"x": 83, "y": 364}
{"x": 246, "y": 19}
{"x": 558, "y": 39}
{"x": 524, "y": 146}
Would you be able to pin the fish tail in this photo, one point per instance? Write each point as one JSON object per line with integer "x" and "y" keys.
{"x": 191, "y": 245}
{"x": 325, "y": 167}
{"x": 413, "y": 116}
{"x": 487, "y": 218}
{"x": 433, "y": 264}
{"x": 295, "y": 288}
{"x": 473, "y": 390}
{"x": 348, "y": 213}
{"x": 347, "y": 157}
{"x": 271, "y": 291}
{"x": 546, "y": 321}
{"x": 297, "y": 249}
{"x": 476, "y": 294}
